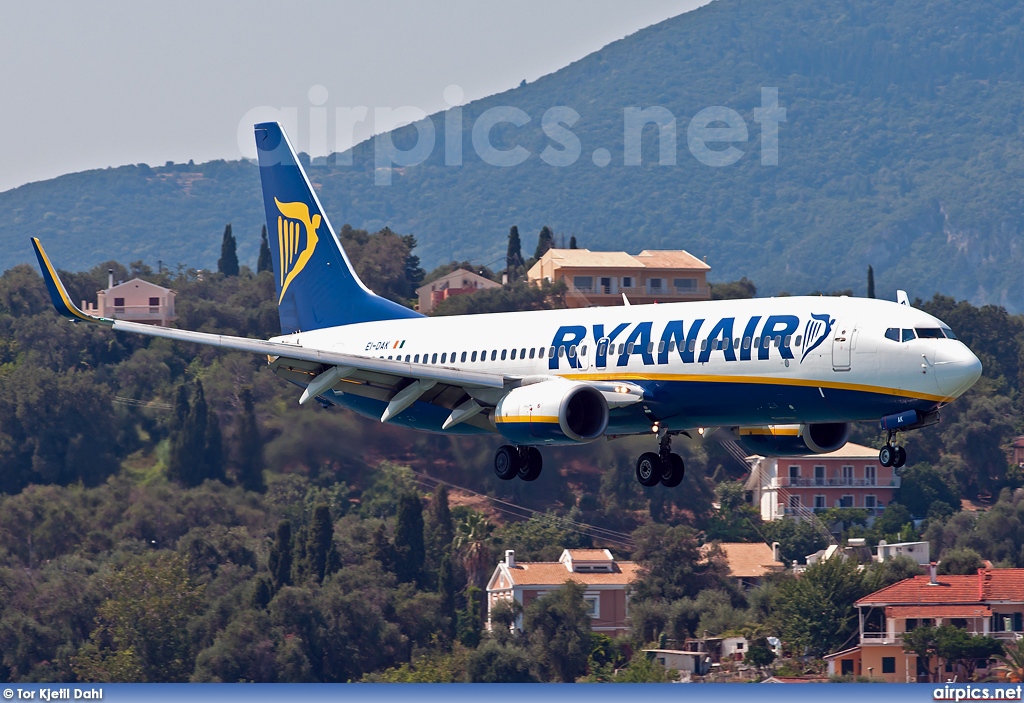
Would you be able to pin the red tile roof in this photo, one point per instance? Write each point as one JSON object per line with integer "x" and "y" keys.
{"x": 985, "y": 586}
{"x": 938, "y": 611}
{"x": 555, "y": 574}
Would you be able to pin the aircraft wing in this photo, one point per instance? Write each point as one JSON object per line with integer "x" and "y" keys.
{"x": 398, "y": 382}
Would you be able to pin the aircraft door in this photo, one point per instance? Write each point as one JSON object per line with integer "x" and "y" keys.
{"x": 585, "y": 354}
{"x": 842, "y": 344}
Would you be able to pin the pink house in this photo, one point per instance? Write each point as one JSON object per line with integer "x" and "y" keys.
{"x": 604, "y": 578}
{"x": 136, "y": 301}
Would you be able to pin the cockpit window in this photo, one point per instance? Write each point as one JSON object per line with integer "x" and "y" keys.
{"x": 893, "y": 333}
{"x": 929, "y": 333}
{"x": 948, "y": 332}
{"x": 908, "y": 335}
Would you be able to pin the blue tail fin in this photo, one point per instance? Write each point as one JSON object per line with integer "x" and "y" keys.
{"x": 316, "y": 285}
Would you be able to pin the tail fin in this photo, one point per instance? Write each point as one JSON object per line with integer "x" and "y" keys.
{"x": 316, "y": 285}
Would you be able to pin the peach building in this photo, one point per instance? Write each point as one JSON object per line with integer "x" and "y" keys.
{"x": 598, "y": 278}
{"x": 458, "y": 282}
{"x": 135, "y": 301}
{"x": 605, "y": 579}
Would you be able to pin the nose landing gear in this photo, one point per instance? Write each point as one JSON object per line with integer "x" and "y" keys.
{"x": 524, "y": 462}
{"x": 664, "y": 467}
{"x": 891, "y": 455}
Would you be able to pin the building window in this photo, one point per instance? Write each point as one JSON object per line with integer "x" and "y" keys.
{"x": 794, "y": 501}
{"x": 847, "y": 475}
{"x": 819, "y": 503}
{"x": 869, "y": 475}
{"x": 819, "y": 475}
{"x": 627, "y": 281}
{"x": 685, "y": 285}
{"x": 593, "y": 605}
{"x": 846, "y": 667}
{"x": 583, "y": 282}
{"x": 794, "y": 475}
{"x": 654, "y": 284}
{"x": 870, "y": 502}
{"x": 888, "y": 665}
{"x": 846, "y": 502}
{"x": 606, "y": 286}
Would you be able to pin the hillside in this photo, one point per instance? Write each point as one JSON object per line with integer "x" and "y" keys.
{"x": 902, "y": 149}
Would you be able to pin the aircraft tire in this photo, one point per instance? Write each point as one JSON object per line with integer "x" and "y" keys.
{"x": 648, "y": 469}
{"x": 901, "y": 458}
{"x": 529, "y": 470}
{"x": 506, "y": 462}
{"x": 673, "y": 471}
{"x": 887, "y": 455}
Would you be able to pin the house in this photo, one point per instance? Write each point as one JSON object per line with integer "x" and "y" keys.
{"x": 458, "y": 282}
{"x": 918, "y": 551}
{"x": 597, "y": 278}
{"x": 749, "y": 562}
{"x": 135, "y": 301}
{"x": 682, "y": 660}
{"x": 796, "y": 486}
{"x": 1018, "y": 451}
{"x": 990, "y": 602}
{"x": 605, "y": 579}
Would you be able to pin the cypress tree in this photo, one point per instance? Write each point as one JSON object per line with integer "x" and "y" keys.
{"x": 188, "y": 443}
{"x": 471, "y": 620}
{"x": 446, "y": 589}
{"x": 321, "y": 553}
{"x": 545, "y": 241}
{"x": 249, "y": 447}
{"x": 572, "y": 242}
{"x": 871, "y": 282}
{"x": 409, "y": 547}
{"x": 262, "y": 593}
{"x": 440, "y": 528}
{"x": 264, "y": 262}
{"x": 228, "y": 261}
{"x": 383, "y": 551}
{"x": 300, "y": 557}
{"x": 213, "y": 450}
{"x": 280, "y": 559}
{"x": 514, "y": 255}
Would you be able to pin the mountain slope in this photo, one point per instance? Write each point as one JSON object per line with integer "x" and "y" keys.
{"x": 902, "y": 149}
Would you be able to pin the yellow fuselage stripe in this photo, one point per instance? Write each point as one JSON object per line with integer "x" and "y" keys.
{"x": 548, "y": 419}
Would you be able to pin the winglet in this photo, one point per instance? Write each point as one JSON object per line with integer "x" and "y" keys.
{"x": 58, "y": 293}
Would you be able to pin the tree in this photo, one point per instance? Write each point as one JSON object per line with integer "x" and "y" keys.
{"x": 279, "y": 561}
{"x": 1011, "y": 664}
{"x": 514, "y": 255}
{"x": 815, "y": 612}
{"x": 471, "y": 619}
{"x": 871, "y": 282}
{"x": 963, "y": 560}
{"x": 921, "y": 485}
{"x": 142, "y": 627}
{"x": 743, "y": 288}
{"x": 759, "y": 654}
{"x": 963, "y": 651}
{"x": 672, "y": 565}
{"x": 264, "y": 262}
{"x": 413, "y": 272}
{"x": 439, "y": 531}
{"x": 572, "y": 242}
{"x": 558, "y": 631}
{"x": 409, "y": 548}
{"x": 196, "y": 451}
{"x": 518, "y": 297}
{"x": 249, "y": 446}
{"x": 321, "y": 553}
{"x": 227, "y": 264}
{"x": 545, "y": 240}
{"x": 496, "y": 663}
{"x": 473, "y": 546}
{"x": 446, "y": 590}
{"x": 212, "y": 465}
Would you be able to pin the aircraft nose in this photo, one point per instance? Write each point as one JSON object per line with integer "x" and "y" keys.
{"x": 956, "y": 369}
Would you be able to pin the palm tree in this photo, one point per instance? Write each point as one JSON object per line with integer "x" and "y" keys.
{"x": 472, "y": 544}
{"x": 1011, "y": 664}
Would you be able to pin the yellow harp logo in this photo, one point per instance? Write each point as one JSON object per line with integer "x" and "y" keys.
{"x": 293, "y": 221}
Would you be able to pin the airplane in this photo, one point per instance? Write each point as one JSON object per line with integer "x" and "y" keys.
{"x": 782, "y": 376}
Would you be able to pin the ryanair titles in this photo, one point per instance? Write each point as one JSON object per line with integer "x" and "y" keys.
{"x": 757, "y": 336}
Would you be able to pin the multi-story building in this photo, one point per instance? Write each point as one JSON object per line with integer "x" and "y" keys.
{"x": 135, "y": 301}
{"x": 605, "y": 579}
{"x": 458, "y": 282}
{"x": 990, "y": 602}
{"x": 797, "y": 486}
{"x": 601, "y": 277}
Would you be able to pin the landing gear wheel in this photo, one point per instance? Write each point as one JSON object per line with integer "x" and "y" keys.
{"x": 530, "y": 464}
{"x": 672, "y": 471}
{"x": 900, "y": 459}
{"x": 506, "y": 462}
{"x": 887, "y": 455}
{"x": 648, "y": 469}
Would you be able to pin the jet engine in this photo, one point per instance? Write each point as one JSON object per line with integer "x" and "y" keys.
{"x": 552, "y": 412}
{"x": 793, "y": 440}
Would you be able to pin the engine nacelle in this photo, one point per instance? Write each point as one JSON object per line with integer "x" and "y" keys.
{"x": 552, "y": 412}
{"x": 793, "y": 440}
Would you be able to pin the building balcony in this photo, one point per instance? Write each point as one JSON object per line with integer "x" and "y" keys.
{"x": 805, "y": 511}
{"x": 875, "y": 638}
{"x": 834, "y": 482}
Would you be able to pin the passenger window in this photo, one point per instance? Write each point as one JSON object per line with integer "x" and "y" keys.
{"x": 494, "y": 355}
{"x": 661, "y": 346}
{"x": 650, "y": 347}
{"x": 766, "y": 342}
{"x": 746, "y": 342}
{"x": 504, "y": 353}
{"x": 561, "y": 352}
{"x": 622, "y": 348}
{"x": 572, "y": 352}
{"x": 390, "y": 357}
{"x": 704, "y": 345}
{"x": 789, "y": 339}
{"x": 778, "y": 341}
{"x": 929, "y": 333}
{"x": 908, "y": 335}
{"x": 693, "y": 344}
{"x": 417, "y": 359}
{"x": 463, "y": 357}
{"x": 583, "y": 350}
{"x": 514, "y": 354}
{"x": 798, "y": 340}
{"x": 893, "y": 333}
{"x": 531, "y": 352}
{"x": 444, "y": 357}
{"x": 671, "y": 345}
{"x": 473, "y": 357}
{"x": 433, "y": 359}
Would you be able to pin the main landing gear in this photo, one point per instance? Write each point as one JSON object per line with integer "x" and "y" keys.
{"x": 524, "y": 462}
{"x": 891, "y": 455}
{"x": 664, "y": 467}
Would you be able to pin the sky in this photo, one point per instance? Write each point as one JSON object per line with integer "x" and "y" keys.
{"x": 91, "y": 85}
